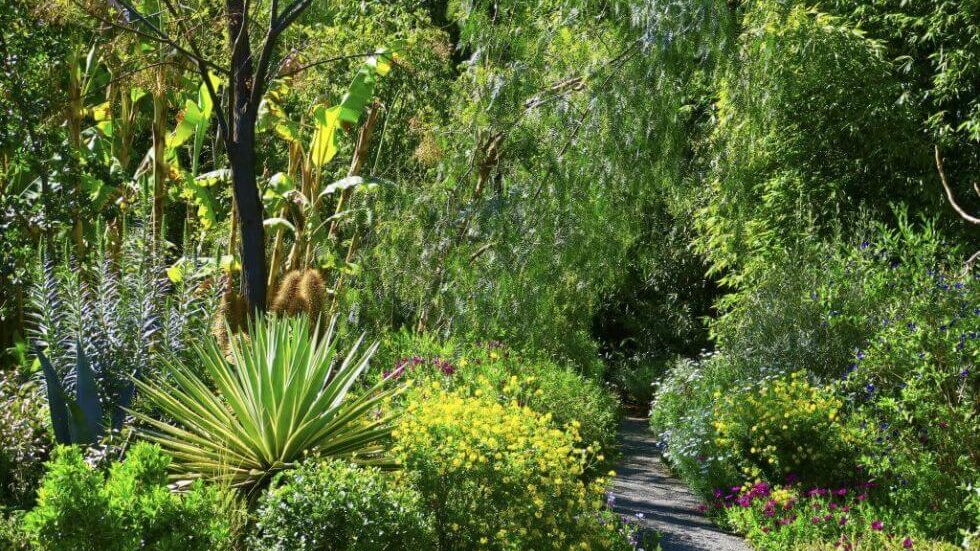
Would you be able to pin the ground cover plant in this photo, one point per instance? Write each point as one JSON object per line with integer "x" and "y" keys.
{"x": 752, "y": 220}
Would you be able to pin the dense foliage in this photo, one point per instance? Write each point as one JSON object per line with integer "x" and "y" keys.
{"x": 80, "y": 508}
{"x": 333, "y": 505}
{"x": 753, "y": 219}
{"x": 498, "y": 372}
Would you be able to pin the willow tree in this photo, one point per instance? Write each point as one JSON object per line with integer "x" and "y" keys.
{"x": 246, "y": 68}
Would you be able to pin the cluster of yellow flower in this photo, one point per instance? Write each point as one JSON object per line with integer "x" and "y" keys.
{"x": 783, "y": 426}
{"x": 500, "y": 474}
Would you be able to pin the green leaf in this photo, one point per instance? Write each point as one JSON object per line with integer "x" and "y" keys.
{"x": 323, "y": 147}
{"x": 277, "y": 223}
{"x": 229, "y": 264}
{"x": 175, "y": 273}
{"x": 87, "y": 397}
{"x": 57, "y": 404}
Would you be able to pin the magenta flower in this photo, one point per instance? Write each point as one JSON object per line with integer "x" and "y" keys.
{"x": 878, "y": 525}
{"x": 770, "y": 509}
{"x": 907, "y": 543}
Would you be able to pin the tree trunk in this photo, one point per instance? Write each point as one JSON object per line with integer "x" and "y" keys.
{"x": 250, "y": 216}
{"x": 241, "y": 153}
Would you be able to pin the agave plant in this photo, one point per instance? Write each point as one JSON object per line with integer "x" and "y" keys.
{"x": 79, "y": 419}
{"x": 258, "y": 407}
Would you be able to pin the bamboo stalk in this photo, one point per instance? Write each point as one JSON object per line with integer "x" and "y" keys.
{"x": 295, "y": 160}
{"x": 74, "y": 119}
{"x": 159, "y": 131}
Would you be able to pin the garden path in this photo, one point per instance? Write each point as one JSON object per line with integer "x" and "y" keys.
{"x": 644, "y": 486}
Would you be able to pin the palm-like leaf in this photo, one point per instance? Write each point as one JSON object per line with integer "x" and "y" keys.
{"x": 283, "y": 393}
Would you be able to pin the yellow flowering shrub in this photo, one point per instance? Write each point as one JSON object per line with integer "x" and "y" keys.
{"x": 497, "y": 371}
{"x": 786, "y": 426}
{"x": 501, "y": 476}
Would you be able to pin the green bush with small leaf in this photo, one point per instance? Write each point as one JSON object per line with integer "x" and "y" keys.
{"x": 332, "y": 505}
{"x": 81, "y": 509}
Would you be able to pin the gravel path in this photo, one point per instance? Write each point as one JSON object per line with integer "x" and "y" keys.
{"x": 644, "y": 486}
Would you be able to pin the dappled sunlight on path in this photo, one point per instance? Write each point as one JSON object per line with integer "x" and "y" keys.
{"x": 644, "y": 489}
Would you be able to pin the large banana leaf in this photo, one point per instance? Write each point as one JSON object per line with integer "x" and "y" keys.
{"x": 275, "y": 397}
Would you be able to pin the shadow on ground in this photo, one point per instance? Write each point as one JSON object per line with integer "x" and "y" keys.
{"x": 645, "y": 490}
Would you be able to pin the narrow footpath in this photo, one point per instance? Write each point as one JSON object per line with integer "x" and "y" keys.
{"x": 645, "y": 490}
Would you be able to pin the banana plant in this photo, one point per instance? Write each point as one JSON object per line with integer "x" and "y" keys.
{"x": 295, "y": 196}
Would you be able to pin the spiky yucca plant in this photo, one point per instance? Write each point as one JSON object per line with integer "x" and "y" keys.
{"x": 283, "y": 393}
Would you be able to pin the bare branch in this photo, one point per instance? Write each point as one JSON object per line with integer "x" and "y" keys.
{"x": 201, "y": 67}
{"x": 291, "y": 13}
{"x": 265, "y": 59}
{"x": 323, "y": 62}
{"x": 128, "y": 74}
{"x": 166, "y": 39}
{"x": 949, "y": 192}
{"x": 158, "y": 38}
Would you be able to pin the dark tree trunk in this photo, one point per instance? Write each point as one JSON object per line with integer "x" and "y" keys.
{"x": 241, "y": 153}
{"x": 250, "y": 217}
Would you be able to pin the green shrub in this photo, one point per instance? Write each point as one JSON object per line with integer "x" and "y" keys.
{"x": 886, "y": 330}
{"x": 335, "y": 506}
{"x": 682, "y": 415}
{"x": 499, "y": 372}
{"x": 500, "y": 476}
{"x": 79, "y": 509}
{"x": 12, "y": 536}
{"x": 914, "y": 386}
{"x": 24, "y": 441}
{"x": 786, "y": 426}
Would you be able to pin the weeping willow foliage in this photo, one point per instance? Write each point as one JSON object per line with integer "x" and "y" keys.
{"x": 566, "y": 136}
